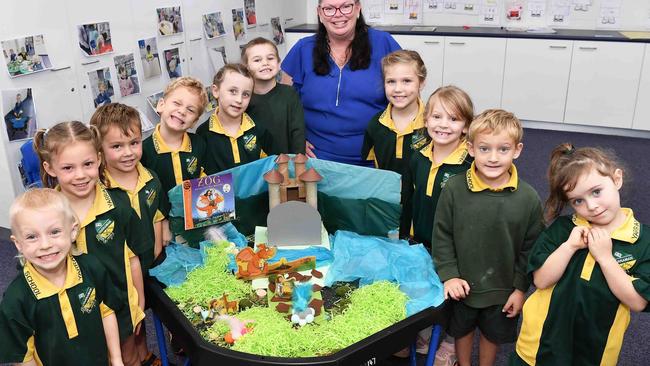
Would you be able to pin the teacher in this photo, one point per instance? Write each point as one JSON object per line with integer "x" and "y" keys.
{"x": 337, "y": 73}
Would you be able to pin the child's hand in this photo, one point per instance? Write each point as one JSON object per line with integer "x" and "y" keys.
{"x": 456, "y": 288}
{"x": 515, "y": 302}
{"x": 578, "y": 238}
{"x": 166, "y": 233}
{"x": 309, "y": 149}
{"x": 599, "y": 243}
{"x": 117, "y": 361}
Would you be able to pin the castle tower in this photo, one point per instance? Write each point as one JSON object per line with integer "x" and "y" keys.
{"x": 274, "y": 179}
{"x": 311, "y": 178}
{"x": 283, "y": 167}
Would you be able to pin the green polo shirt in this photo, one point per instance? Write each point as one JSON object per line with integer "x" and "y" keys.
{"x": 579, "y": 321}
{"x": 174, "y": 166}
{"x": 389, "y": 148}
{"x": 421, "y": 186}
{"x": 105, "y": 233}
{"x": 224, "y": 151}
{"x": 58, "y": 325}
{"x": 280, "y": 113}
{"x": 149, "y": 201}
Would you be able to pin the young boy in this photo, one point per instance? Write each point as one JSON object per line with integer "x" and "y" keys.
{"x": 275, "y": 107}
{"x": 60, "y": 309}
{"x": 485, "y": 225}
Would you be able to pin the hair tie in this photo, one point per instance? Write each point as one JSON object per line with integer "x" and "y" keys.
{"x": 570, "y": 150}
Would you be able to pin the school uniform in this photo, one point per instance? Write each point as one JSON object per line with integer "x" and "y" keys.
{"x": 579, "y": 321}
{"x": 421, "y": 186}
{"x": 58, "y": 326}
{"x": 174, "y": 166}
{"x": 106, "y": 233}
{"x": 389, "y": 148}
{"x": 150, "y": 203}
{"x": 250, "y": 143}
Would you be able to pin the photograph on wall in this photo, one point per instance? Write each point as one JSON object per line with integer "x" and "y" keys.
{"x": 26, "y": 55}
{"x": 145, "y": 122}
{"x": 238, "y": 24}
{"x": 95, "y": 38}
{"x": 170, "y": 21}
{"x": 213, "y": 25}
{"x": 218, "y": 57}
{"x": 149, "y": 57}
{"x": 413, "y": 12}
{"x": 212, "y": 101}
{"x": 153, "y": 100}
{"x": 276, "y": 29}
{"x": 127, "y": 76}
{"x": 373, "y": 11}
{"x": 101, "y": 86}
{"x": 173, "y": 63}
{"x": 394, "y": 6}
{"x": 20, "y": 114}
{"x": 251, "y": 17}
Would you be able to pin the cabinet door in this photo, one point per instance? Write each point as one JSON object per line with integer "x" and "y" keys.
{"x": 476, "y": 66}
{"x": 292, "y": 38}
{"x": 536, "y": 78}
{"x": 642, "y": 111}
{"x": 431, "y": 50}
{"x": 603, "y": 83}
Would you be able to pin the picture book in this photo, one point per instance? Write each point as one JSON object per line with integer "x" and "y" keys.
{"x": 208, "y": 200}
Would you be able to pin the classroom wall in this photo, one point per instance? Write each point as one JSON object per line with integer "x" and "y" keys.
{"x": 65, "y": 92}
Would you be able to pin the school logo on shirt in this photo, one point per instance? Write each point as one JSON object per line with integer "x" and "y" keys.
{"x": 192, "y": 164}
{"x": 626, "y": 261}
{"x": 105, "y": 230}
{"x": 444, "y": 179}
{"x": 151, "y": 196}
{"x": 87, "y": 300}
{"x": 250, "y": 142}
{"x": 418, "y": 140}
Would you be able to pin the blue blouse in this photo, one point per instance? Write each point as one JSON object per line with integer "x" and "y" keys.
{"x": 339, "y": 105}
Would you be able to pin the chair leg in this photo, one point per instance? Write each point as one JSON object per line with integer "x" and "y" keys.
{"x": 413, "y": 354}
{"x": 433, "y": 344}
{"x": 162, "y": 342}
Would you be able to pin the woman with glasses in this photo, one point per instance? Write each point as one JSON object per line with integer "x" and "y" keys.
{"x": 337, "y": 73}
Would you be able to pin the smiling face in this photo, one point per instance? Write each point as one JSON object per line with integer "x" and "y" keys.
{"x": 339, "y": 25}
{"x": 45, "y": 242}
{"x": 402, "y": 85}
{"x": 444, "y": 126}
{"x": 262, "y": 61}
{"x": 76, "y": 168}
{"x": 595, "y": 197}
{"x": 121, "y": 152}
{"x": 233, "y": 94}
{"x": 179, "y": 109}
{"x": 493, "y": 156}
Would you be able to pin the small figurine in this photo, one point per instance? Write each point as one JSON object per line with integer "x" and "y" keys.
{"x": 251, "y": 264}
{"x": 301, "y": 313}
{"x": 237, "y": 328}
{"x": 222, "y": 306}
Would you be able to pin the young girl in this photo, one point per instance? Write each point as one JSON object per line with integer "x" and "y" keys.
{"x": 392, "y": 135}
{"x": 126, "y": 84}
{"x": 590, "y": 268}
{"x": 69, "y": 155}
{"x": 273, "y": 106}
{"x": 231, "y": 136}
{"x": 58, "y": 305}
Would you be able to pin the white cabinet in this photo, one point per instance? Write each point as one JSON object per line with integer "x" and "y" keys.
{"x": 292, "y": 38}
{"x": 603, "y": 83}
{"x": 536, "y": 78}
{"x": 476, "y": 66}
{"x": 642, "y": 111}
{"x": 431, "y": 50}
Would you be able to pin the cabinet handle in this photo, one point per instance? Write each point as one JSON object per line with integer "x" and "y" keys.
{"x": 61, "y": 68}
{"x": 457, "y": 43}
{"x": 431, "y": 42}
{"x": 177, "y": 43}
{"x": 558, "y": 47}
{"x": 196, "y": 39}
{"x": 588, "y": 48}
{"x": 90, "y": 62}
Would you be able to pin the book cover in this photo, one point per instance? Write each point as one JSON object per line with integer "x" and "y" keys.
{"x": 208, "y": 200}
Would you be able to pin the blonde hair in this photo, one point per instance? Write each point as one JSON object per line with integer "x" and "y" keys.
{"x": 236, "y": 68}
{"x": 256, "y": 42}
{"x": 567, "y": 165}
{"x": 405, "y": 57}
{"x": 194, "y": 85}
{"x": 50, "y": 142}
{"x": 495, "y": 121}
{"x": 455, "y": 100}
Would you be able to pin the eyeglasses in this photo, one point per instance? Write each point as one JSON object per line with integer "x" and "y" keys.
{"x": 330, "y": 11}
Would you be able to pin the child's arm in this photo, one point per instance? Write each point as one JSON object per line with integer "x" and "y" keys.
{"x": 599, "y": 243}
{"x": 368, "y": 147}
{"x": 138, "y": 283}
{"x": 166, "y": 233}
{"x": 296, "y": 125}
{"x": 553, "y": 268}
{"x": 112, "y": 339}
{"x": 158, "y": 238}
{"x": 515, "y": 302}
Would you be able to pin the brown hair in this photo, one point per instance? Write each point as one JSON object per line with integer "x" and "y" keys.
{"x": 256, "y": 42}
{"x": 236, "y": 68}
{"x": 120, "y": 115}
{"x": 405, "y": 57}
{"x": 567, "y": 165}
{"x": 495, "y": 121}
{"x": 454, "y": 99}
{"x": 193, "y": 85}
{"x": 50, "y": 142}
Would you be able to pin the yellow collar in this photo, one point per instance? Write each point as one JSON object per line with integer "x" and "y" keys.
{"x": 216, "y": 127}
{"x": 457, "y": 156}
{"x": 628, "y": 232}
{"x": 475, "y": 184}
{"x": 143, "y": 177}
{"x": 102, "y": 203}
{"x": 42, "y": 287}
{"x": 387, "y": 120}
{"x": 161, "y": 146}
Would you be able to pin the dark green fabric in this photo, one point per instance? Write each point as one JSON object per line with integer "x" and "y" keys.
{"x": 485, "y": 238}
{"x": 365, "y": 217}
{"x": 280, "y": 113}
{"x": 22, "y": 315}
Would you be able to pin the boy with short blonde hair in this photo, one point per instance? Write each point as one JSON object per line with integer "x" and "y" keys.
{"x": 483, "y": 265}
